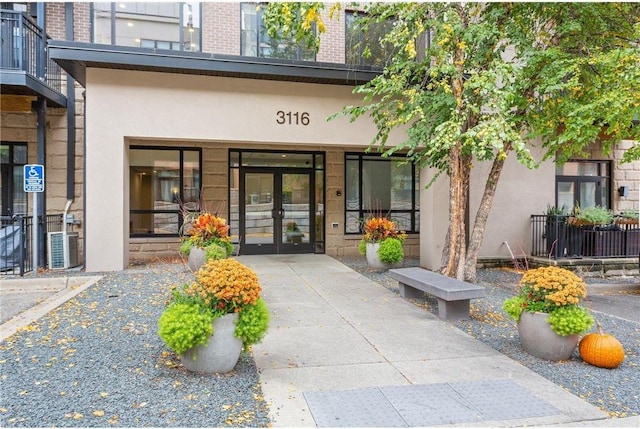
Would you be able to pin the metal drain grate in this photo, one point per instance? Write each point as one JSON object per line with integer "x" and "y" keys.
{"x": 426, "y": 405}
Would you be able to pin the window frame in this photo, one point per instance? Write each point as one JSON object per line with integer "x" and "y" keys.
{"x": 349, "y": 16}
{"x": 364, "y": 212}
{"x": 598, "y": 179}
{"x": 181, "y": 41}
{"x": 259, "y": 32}
{"x": 181, "y": 150}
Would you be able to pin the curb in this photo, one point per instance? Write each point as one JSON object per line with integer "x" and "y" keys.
{"x": 72, "y": 287}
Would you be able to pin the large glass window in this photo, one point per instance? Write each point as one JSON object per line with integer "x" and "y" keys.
{"x": 255, "y": 42}
{"x": 157, "y": 25}
{"x": 583, "y": 183}
{"x": 364, "y": 47}
{"x": 13, "y": 157}
{"x": 381, "y": 186}
{"x": 159, "y": 180}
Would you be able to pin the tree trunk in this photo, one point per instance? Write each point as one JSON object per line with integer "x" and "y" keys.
{"x": 482, "y": 214}
{"x": 455, "y": 246}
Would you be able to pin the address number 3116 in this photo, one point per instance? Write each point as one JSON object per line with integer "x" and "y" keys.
{"x": 292, "y": 118}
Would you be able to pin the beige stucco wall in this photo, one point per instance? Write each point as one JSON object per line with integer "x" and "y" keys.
{"x": 520, "y": 193}
{"x": 131, "y": 107}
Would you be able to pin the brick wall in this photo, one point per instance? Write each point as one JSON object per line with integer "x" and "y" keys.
{"x": 221, "y": 28}
{"x": 332, "y": 49}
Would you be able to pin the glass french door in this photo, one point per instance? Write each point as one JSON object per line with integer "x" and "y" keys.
{"x": 276, "y": 211}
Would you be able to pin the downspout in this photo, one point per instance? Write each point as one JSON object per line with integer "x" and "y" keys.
{"x": 41, "y": 132}
{"x": 71, "y": 112}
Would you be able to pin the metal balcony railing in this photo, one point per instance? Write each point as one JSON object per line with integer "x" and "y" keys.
{"x": 22, "y": 42}
{"x": 557, "y": 237}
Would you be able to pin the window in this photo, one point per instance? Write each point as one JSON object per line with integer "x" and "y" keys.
{"x": 13, "y": 157}
{"x": 375, "y": 185}
{"x": 583, "y": 183}
{"x": 166, "y": 25}
{"x": 255, "y": 42}
{"x": 159, "y": 179}
{"x": 364, "y": 48}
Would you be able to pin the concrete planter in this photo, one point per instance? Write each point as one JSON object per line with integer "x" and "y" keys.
{"x": 222, "y": 351}
{"x": 197, "y": 258}
{"x": 539, "y": 340}
{"x": 374, "y": 260}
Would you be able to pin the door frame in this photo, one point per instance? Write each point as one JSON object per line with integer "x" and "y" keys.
{"x": 278, "y": 245}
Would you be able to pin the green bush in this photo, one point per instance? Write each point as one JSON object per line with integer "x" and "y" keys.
{"x": 185, "y": 247}
{"x": 253, "y": 323}
{"x": 513, "y": 307}
{"x": 185, "y": 325}
{"x": 570, "y": 320}
{"x": 595, "y": 216}
{"x": 216, "y": 251}
{"x": 390, "y": 251}
{"x": 362, "y": 247}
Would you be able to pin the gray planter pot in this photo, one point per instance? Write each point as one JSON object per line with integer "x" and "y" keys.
{"x": 374, "y": 260}
{"x": 538, "y": 339}
{"x": 197, "y": 258}
{"x": 221, "y": 352}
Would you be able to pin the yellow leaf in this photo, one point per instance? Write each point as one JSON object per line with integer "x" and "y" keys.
{"x": 98, "y": 413}
{"x": 103, "y": 394}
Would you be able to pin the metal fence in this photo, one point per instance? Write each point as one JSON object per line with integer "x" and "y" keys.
{"x": 16, "y": 249}
{"x": 556, "y": 237}
{"x": 22, "y": 40}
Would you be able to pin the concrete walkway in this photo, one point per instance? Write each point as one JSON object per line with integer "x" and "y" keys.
{"x": 343, "y": 350}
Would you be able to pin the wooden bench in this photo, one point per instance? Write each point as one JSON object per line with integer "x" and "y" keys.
{"x": 453, "y": 295}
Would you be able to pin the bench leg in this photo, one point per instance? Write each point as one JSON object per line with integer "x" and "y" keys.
{"x": 407, "y": 291}
{"x": 453, "y": 310}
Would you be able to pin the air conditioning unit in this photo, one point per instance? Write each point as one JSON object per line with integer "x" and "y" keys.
{"x": 63, "y": 249}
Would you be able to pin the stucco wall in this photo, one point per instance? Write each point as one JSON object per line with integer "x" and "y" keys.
{"x": 131, "y": 107}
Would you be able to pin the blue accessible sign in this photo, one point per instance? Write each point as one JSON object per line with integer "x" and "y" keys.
{"x": 33, "y": 178}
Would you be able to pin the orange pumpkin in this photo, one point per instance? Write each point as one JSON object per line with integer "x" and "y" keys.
{"x": 602, "y": 350}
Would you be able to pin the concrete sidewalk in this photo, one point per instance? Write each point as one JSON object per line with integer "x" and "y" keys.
{"x": 343, "y": 350}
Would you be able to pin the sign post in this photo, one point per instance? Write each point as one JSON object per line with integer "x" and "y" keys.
{"x": 34, "y": 182}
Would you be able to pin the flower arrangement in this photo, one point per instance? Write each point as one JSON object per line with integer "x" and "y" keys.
{"x": 379, "y": 229}
{"x": 221, "y": 287}
{"x": 204, "y": 230}
{"x": 556, "y": 291}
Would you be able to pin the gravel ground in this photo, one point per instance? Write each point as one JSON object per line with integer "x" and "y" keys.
{"x": 616, "y": 391}
{"x": 97, "y": 360}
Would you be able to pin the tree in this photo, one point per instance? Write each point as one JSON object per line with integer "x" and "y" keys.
{"x": 474, "y": 82}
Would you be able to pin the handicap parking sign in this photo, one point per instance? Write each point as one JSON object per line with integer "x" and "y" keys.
{"x": 33, "y": 178}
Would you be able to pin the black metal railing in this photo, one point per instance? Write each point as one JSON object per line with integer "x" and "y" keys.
{"x": 16, "y": 249}
{"x": 558, "y": 237}
{"x": 22, "y": 41}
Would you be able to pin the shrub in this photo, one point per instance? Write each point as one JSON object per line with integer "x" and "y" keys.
{"x": 183, "y": 326}
{"x": 362, "y": 247}
{"x": 253, "y": 323}
{"x": 390, "y": 251}
{"x": 570, "y": 320}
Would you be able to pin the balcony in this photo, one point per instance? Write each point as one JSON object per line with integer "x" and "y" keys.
{"x": 25, "y": 66}
{"x": 557, "y": 237}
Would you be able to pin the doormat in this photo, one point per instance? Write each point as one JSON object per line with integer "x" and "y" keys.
{"x": 426, "y": 405}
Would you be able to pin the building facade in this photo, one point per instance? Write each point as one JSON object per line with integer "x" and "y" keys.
{"x": 169, "y": 105}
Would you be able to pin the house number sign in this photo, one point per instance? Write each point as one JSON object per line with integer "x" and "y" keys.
{"x": 292, "y": 118}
